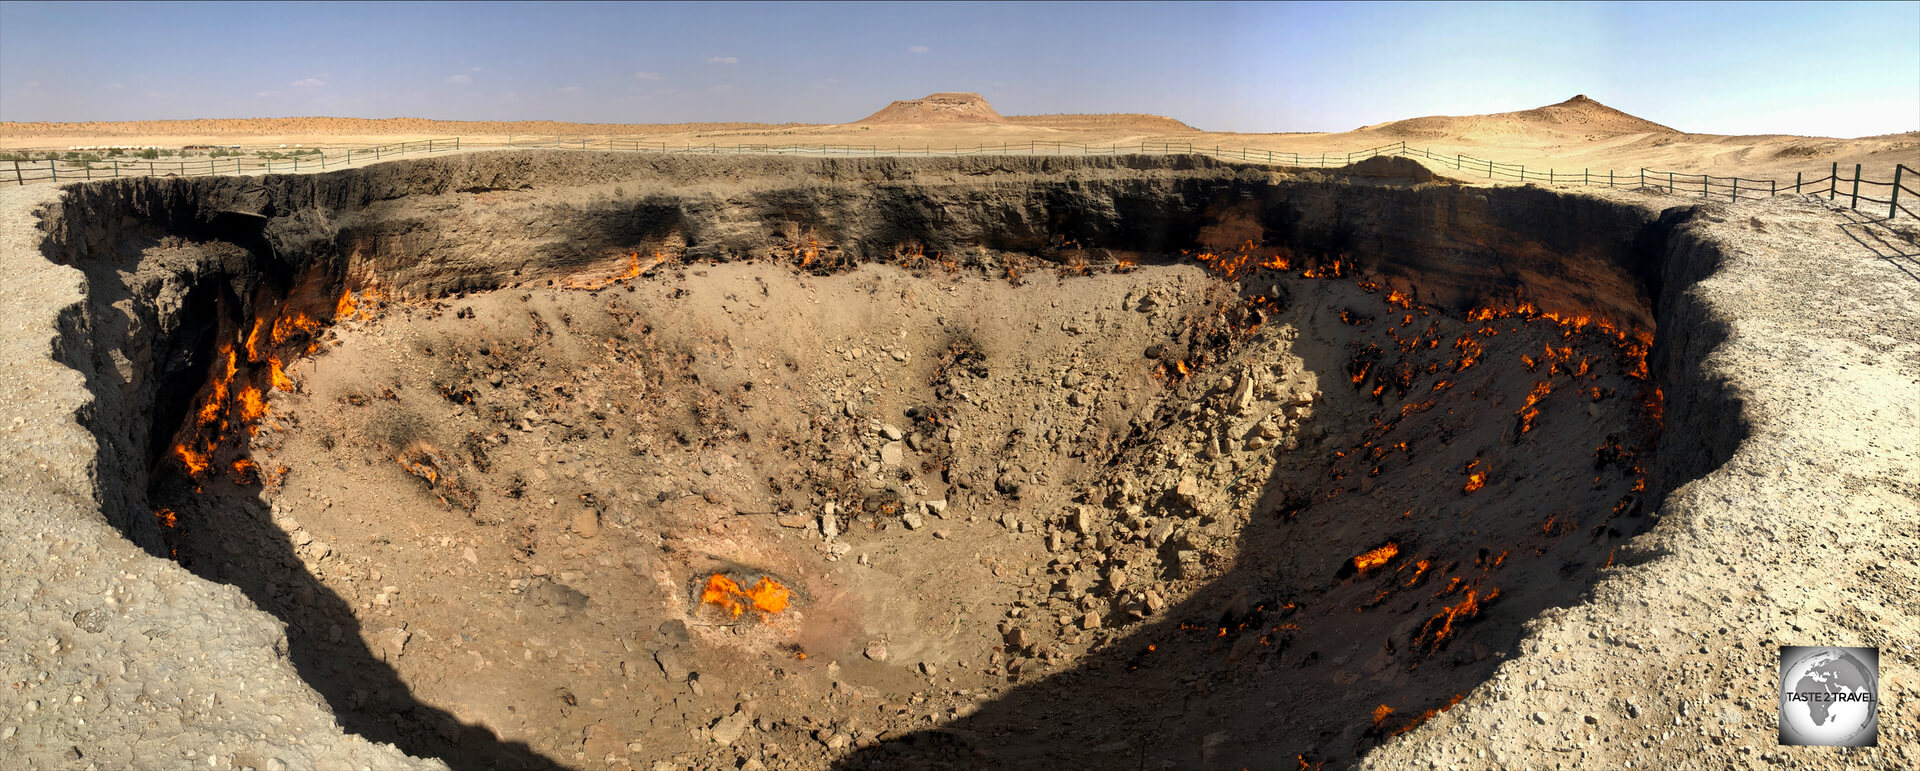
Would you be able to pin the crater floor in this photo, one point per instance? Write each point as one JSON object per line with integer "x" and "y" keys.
{"x": 1150, "y": 494}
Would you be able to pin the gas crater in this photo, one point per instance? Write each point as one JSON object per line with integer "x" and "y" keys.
{"x": 589, "y": 461}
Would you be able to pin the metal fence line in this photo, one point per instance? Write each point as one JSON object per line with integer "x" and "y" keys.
{"x": 1676, "y": 183}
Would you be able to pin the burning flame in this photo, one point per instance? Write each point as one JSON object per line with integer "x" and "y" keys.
{"x": 167, "y": 518}
{"x": 245, "y": 472}
{"x": 253, "y": 340}
{"x": 1377, "y": 557}
{"x": 766, "y": 595}
{"x": 196, "y": 462}
{"x": 252, "y": 407}
{"x": 1380, "y": 714}
{"x": 1423, "y": 717}
{"x": 1476, "y": 478}
{"x": 1438, "y": 628}
{"x": 298, "y": 323}
{"x": 277, "y": 375}
{"x": 1529, "y": 411}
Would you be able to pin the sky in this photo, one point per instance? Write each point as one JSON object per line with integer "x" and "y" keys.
{"x": 1822, "y": 69}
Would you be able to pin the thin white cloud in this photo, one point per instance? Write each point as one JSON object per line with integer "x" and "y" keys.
{"x": 256, "y": 94}
{"x": 459, "y": 80}
{"x": 308, "y": 83}
{"x": 479, "y": 69}
{"x": 918, "y": 49}
{"x": 723, "y": 60}
{"x": 573, "y": 90}
{"x": 721, "y": 89}
{"x": 646, "y": 76}
{"x": 117, "y": 85}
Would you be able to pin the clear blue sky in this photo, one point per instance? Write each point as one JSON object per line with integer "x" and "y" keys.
{"x": 1827, "y": 69}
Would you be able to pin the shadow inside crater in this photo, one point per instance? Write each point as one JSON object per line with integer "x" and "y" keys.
{"x": 1289, "y": 655}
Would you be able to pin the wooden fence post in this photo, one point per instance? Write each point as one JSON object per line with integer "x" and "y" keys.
{"x": 1609, "y": 178}
{"x": 1736, "y": 188}
{"x": 116, "y": 167}
{"x": 1856, "y": 188}
{"x": 1796, "y": 183}
{"x": 17, "y": 176}
{"x": 1833, "y": 180}
{"x": 1643, "y": 176}
{"x": 1893, "y": 206}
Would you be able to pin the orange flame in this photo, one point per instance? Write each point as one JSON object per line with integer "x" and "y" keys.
{"x": 1427, "y": 715}
{"x": 766, "y": 595}
{"x": 195, "y": 462}
{"x": 1529, "y": 411}
{"x": 1376, "y": 557}
{"x": 167, "y": 518}
{"x": 277, "y": 375}
{"x": 245, "y": 472}
{"x": 1438, "y": 628}
{"x": 298, "y": 323}
{"x": 1476, "y": 478}
{"x": 1380, "y": 714}
{"x": 252, "y": 407}
{"x": 253, "y": 340}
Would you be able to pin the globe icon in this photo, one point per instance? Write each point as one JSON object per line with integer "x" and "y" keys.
{"x": 1829, "y": 696}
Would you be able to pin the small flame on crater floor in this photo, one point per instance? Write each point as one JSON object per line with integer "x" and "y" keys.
{"x": 766, "y": 595}
{"x": 1377, "y": 557}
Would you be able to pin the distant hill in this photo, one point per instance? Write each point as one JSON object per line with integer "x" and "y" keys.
{"x": 963, "y": 107}
{"x": 1129, "y": 121}
{"x": 1578, "y": 115}
{"x": 948, "y": 107}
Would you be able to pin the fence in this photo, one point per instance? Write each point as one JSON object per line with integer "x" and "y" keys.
{"x": 57, "y": 170}
{"x": 1671, "y": 181}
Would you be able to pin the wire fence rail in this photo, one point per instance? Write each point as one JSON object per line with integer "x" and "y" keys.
{"x": 1836, "y": 183}
{"x": 75, "y": 170}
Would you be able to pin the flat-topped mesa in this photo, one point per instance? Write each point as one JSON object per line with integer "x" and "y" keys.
{"x": 945, "y": 107}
